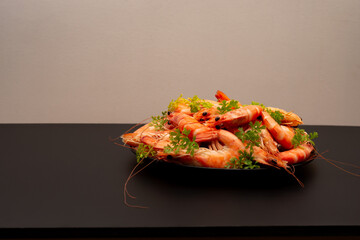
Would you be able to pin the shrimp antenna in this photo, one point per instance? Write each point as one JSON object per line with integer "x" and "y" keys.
{"x": 292, "y": 173}
{"x": 136, "y": 125}
{"x": 131, "y": 175}
{"x": 338, "y": 162}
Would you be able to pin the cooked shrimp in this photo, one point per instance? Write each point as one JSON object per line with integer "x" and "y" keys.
{"x": 156, "y": 142}
{"x": 282, "y": 134}
{"x": 220, "y": 96}
{"x": 201, "y": 132}
{"x": 134, "y": 139}
{"x": 290, "y": 119}
{"x": 218, "y": 156}
{"x": 213, "y": 158}
{"x": 237, "y": 117}
{"x": 298, "y": 154}
{"x": 183, "y": 108}
{"x": 205, "y": 114}
{"x": 221, "y": 153}
{"x": 267, "y": 142}
{"x": 266, "y": 153}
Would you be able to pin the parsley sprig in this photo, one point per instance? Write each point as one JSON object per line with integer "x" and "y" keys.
{"x": 196, "y": 104}
{"x": 159, "y": 121}
{"x": 301, "y": 137}
{"x": 180, "y": 141}
{"x": 244, "y": 161}
{"x": 276, "y": 115}
{"x": 252, "y": 138}
{"x": 175, "y": 103}
{"x": 144, "y": 151}
{"x": 227, "y": 106}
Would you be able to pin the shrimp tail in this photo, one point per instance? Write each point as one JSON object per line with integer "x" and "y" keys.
{"x": 220, "y": 96}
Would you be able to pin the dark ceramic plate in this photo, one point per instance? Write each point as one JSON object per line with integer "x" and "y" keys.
{"x": 262, "y": 167}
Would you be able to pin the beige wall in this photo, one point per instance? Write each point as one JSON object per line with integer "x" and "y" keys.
{"x": 65, "y": 61}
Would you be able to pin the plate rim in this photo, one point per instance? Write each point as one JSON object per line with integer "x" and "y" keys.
{"x": 311, "y": 158}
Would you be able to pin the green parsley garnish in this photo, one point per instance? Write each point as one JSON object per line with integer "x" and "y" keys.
{"x": 144, "y": 151}
{"x": 227, "y": 106}
{"x": 244, "y": 161}
{"x": 246, "y": 158}
{"x": 159, "y": 121}
{"x": 179, "y": 141}
{"x": 277, "y": 116}
{"x": 301, "y": 137}
{"x": 252, "y": 136}
{"x": 196, "y": 104}
{"x": 175, "y": 103}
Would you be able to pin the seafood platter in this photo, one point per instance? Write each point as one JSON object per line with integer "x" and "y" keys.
{"x": 223, "y": 134}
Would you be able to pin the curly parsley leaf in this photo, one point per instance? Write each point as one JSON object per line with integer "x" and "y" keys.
{"x": 276, "y": 115}
{"x": 144, "y": 151}
{"x": 251, "y": 136}
{"x": 301, "y": 137}
{"x": 244, "y": 161}
{"x": 159, "y": 121}
{"x": 180, "y": 141}
{"x": 196, "y": 104}
{"x": 227, "y": 106}
{"x": 175, "y": 103}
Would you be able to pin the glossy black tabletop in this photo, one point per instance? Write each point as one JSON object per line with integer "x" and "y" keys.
{"x": 67, "y": 180}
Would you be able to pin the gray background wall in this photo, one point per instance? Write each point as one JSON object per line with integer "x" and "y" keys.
{"x": 122, "y": 61}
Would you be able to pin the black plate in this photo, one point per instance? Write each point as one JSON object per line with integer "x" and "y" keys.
{"x": 262, "y": 167}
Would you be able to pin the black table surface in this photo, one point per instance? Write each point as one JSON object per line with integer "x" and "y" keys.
{"x": 67, "y": 180}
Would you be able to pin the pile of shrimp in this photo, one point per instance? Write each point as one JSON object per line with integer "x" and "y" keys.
{"x": 215, "y": 134}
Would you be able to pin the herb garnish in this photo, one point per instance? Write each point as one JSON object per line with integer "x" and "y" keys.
{"x": 252, "y": 138}
{"x": 144, "y": 151}
{"x": 227, "y": 106}
{"x": 244, "y": 161}
{"x": 179, "y": 141}
{"x": 301, "y": 137}
{"x": 175, "y": 103}
{"x": 196, "y": 103}
{"x": 159, "y": 121}
{"x": 276, "y": 115}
